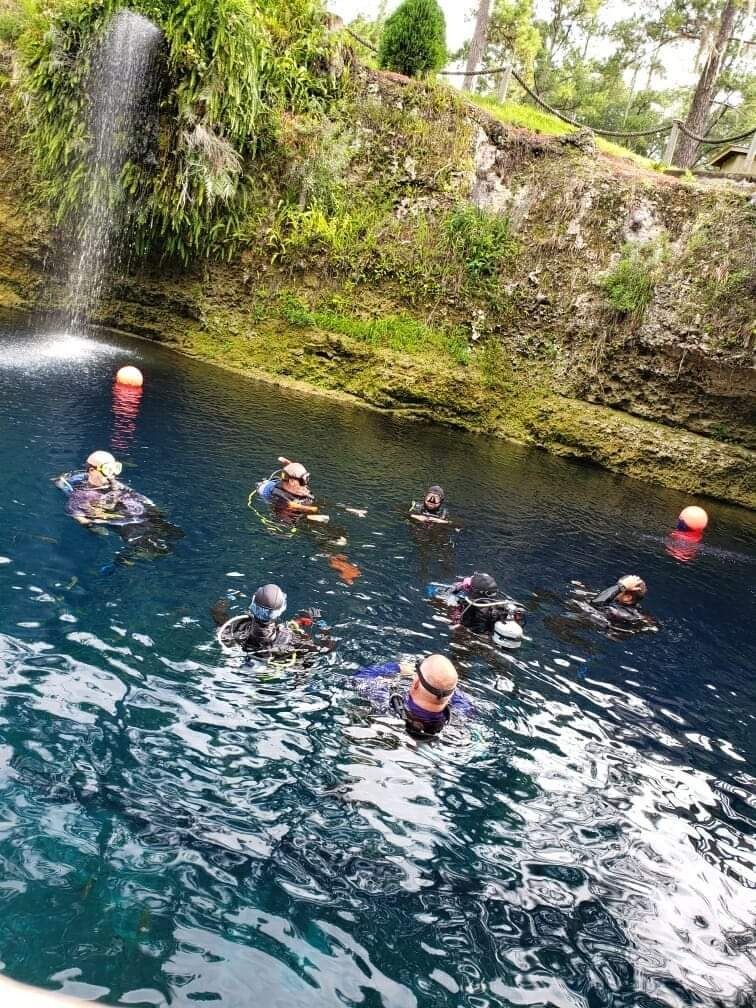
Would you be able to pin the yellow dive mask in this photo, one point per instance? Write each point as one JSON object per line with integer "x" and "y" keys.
{"x": 109, "y": 469}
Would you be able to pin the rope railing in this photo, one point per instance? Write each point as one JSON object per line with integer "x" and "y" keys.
{"x": 362, "y": 41}
{"x": 663, "y": 127}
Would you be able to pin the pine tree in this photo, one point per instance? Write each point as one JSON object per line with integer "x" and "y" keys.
{"x": 414, "y": 39}
{"x": 704, "y": 94}
{"x": 480, "y": 37}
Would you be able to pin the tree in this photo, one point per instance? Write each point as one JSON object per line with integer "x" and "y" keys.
{"x": 414, "y": 39}
{"x": 573, "y": 23}
{"x": 705, "y": 92}
{"x": 480, "y": 36}
{"x": 513, "y": 37}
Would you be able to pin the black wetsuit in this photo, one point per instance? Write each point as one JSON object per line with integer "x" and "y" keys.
{"x": 482, "y": 615}
{"x": 269, "y": 639}
{"x": 424, "y": 511}
{"x": 145, "y": 532}
{"x": 627, "y": 616}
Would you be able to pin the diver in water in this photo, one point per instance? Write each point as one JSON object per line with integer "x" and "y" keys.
{"x": 483, "y": 609}
{"x": 431, "y": 508}
{"x": 260, "y": 632}
{"x": 620, "y": 604}
{"x": 289, "y": 489}
{"x": 426, "y": 707}
{"x": 97, "y": 499}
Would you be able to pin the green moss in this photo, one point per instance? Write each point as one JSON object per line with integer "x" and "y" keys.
{"x": 11, "y": 25}
{"x": 401, "y": 333}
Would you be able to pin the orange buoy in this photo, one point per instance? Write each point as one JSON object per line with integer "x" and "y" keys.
{"x": 130, "y": 376}
{"x": 692, "y": 519}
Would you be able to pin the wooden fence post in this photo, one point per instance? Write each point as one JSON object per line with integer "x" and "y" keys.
{"x": 505, "y": 78}
{"x": 669, "y": 153}
{"x": 751, "y": 155}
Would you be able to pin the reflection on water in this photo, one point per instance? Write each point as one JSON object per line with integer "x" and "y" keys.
{"x": 178, "y": 829}
{"x": 126, "y": 400}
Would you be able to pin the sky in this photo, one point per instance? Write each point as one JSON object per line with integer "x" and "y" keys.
{"x": 459, "y": 27}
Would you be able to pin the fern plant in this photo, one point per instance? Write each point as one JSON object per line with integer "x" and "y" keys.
{"x": 230, "y": 69}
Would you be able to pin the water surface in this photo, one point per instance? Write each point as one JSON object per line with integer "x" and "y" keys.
{"x": 178, "y": 829}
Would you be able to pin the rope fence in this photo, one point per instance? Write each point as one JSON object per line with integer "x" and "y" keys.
{"x": 664, "y": 127}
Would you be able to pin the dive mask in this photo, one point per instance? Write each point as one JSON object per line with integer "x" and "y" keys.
{"x": 264, "y": 614}
{"x": 108, "y": 469}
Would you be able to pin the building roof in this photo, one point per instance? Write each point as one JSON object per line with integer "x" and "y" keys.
{"x": 729, "y": 152}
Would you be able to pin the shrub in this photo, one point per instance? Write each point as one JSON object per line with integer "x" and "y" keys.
{"x": 414, "y": 39}
{"x": 483, "y": 241}
{"x": 629, "y": 287}
{"x": 230, "y": 69}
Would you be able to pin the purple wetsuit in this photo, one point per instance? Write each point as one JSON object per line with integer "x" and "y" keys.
{"x": 380, "y": 694}
{"x": 113, "y": 505}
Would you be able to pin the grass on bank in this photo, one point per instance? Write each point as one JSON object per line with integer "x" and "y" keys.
{"x": 543, "y": 122}
{"x": 394, "y": 332}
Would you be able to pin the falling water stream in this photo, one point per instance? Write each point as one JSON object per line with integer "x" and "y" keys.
{"x": 121, "y": 99}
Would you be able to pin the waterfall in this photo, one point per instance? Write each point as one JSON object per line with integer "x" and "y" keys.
{"x": 122, "y": 110}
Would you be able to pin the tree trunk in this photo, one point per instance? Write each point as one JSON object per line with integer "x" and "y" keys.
{"x": 700, "y": 108}
{"x": 631, "y": 96}
{"x": 479, "y": 39}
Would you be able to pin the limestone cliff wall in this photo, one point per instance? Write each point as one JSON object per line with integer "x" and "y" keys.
{"x": 667, "y": 396}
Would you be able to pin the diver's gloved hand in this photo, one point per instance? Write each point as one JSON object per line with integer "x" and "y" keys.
{"x": 219, "y": 611}
{"x": 607, "y": 595}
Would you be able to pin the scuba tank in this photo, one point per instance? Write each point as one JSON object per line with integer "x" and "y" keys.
{"x": 508, "y": 635}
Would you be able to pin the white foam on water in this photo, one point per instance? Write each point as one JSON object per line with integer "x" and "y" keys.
{"x": 56, "y": 349}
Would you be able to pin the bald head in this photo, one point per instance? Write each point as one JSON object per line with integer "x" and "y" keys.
{"x": 439, "y": 672}
{"x": 434, "y": 686}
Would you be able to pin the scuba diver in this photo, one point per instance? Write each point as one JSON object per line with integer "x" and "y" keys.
{"x": 477, "y": 605}
{"x": 426, "y": 707}
{"x": 620, "y": 604}
{"x": 431, "y": 507}
{"x": 288, "y": 492}
{"x": 97, "y": 499}
{"x": 259, "y": 633}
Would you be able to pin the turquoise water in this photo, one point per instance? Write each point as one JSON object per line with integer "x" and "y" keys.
{"x": 178, "y": 829}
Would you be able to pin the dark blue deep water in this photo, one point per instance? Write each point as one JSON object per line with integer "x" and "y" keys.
{"x": 179, "y": 829}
